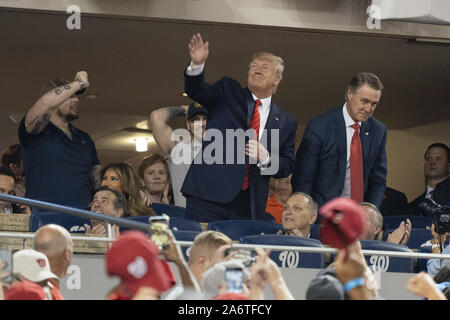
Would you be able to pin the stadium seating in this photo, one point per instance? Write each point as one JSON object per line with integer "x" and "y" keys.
{"x": 418, "y": 237}
{"x": 386, "y": 263}
{"x": 175, "y": 223}
{"x": 172, "y": 211}
{"x": 286, "y": 258}
{"x": 72, "y": 223}
{"x": 236, "y": 229}
{"x": 315, "y": 232}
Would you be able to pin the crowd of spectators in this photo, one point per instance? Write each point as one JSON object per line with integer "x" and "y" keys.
{"x": 73, "y": 176}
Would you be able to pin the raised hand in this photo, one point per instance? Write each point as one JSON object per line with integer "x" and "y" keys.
{"x": 398, "y": 234}
{"x": 145, "y": 198}
{"x": 423, "y": 285}
{"x": 198, "y": 50}
{"x": 82, "y": 75}
{"x": 166, "y": 197}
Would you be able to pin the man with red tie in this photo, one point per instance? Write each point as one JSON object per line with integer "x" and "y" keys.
{"x": 342, "y": 153}
{"x": 248, "y": 139}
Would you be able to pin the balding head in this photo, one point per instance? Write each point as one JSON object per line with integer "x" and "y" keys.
{"x": 56, "y": 243}
{"x": 300, "y": 213}
{"x": 374, "y": 221}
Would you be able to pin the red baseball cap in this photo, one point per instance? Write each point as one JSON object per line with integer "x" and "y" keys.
{"x": 344, "y": 222}
{"x": 134, "y": 258}
{"x": 25, "y": 290}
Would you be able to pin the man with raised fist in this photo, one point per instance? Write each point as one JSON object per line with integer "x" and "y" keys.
{"x": 59, "y": 159}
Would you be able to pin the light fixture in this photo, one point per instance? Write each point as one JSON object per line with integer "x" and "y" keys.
{"x": 184, "y": 94}
{"x": 432, "y": 40}
{"x": 141, "y": 144}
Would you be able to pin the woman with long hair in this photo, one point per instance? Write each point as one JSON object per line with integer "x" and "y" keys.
{"x": 120, "y": 176}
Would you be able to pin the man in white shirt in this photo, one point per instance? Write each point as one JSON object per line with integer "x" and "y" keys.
{"x": 299, "y": 215}
{"x": 179, "y": 154}
{"x": 436, "y": 170}
{"x": 342, "y": 153}
{"x": 229, "y": 179}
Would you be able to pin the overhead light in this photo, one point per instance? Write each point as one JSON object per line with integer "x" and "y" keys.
{"x": 141, "y": 144}
{"x": 184, "y": 94}
{"x": 90, "y": 96}
{"x": 432, "y": 40}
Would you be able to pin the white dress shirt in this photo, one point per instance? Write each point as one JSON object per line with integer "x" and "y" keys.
{"x": 349, "y": 131}
{"x": 429, "y": 190}
{"x": 264, "y": 108}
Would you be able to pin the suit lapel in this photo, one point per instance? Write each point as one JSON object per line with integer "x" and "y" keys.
{"x": 365, "y": 136}
{"x": 250, "y": 105}
{"x": 341, "y": 139}
{"x": 273, "y": 122}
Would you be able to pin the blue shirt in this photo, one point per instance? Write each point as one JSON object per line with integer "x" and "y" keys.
{"x": 58, "y": 169}
{"x": 434, "y": 265}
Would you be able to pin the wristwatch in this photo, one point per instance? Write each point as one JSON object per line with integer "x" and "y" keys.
{"x": 82, "y": 84}
{"x": 435, "y": 245}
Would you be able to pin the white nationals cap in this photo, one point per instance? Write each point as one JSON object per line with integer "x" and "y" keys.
{"x": 32, "y": 265}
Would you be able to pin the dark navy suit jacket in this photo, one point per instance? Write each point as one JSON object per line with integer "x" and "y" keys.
{"x": 321, "y": 159}
{"x": 441, "y": 195}
{"x": 231, "y": 107}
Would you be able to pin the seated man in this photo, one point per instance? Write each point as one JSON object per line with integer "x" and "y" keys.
{"x": 374, "y": 225}
{"x": 108, "y": 202}
{"x": 300, "y": 213}
{"x": 436, "y": 169}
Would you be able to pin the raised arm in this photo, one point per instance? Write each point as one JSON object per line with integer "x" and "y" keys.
{"x": 198, "y": 50}
{"x": 39, "y": 114}
{"x": 162, "y": 132}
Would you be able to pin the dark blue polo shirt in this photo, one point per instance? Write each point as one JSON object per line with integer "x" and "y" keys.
{"x": 58, "y": 169}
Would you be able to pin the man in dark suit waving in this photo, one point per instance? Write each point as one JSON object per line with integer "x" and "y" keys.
{"x": 342, "y": 153}
{"x": 248, "y": 139}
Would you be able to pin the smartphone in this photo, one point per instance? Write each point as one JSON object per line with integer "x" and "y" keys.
{"x": 159, "y": 231}
{"x": 6, "y": 256}
{"x": 233, "y": 279}
{"x": 247, "y": 257}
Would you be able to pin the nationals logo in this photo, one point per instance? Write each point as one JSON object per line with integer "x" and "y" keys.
{"x": 41, "y": 262}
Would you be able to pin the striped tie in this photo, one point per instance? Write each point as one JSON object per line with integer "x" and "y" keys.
{"x": 254, "y": 124}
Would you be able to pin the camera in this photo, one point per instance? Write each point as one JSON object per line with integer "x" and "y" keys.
{"x": 440, "y": 214}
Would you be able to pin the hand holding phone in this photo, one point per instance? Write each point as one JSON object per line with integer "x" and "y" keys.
{"x": 233, "y": 278}
{"x": 159, "y": 231}
{"x": 6, "y": 266}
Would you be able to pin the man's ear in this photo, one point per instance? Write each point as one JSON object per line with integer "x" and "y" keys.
{"x": 13, "y": 168}
{"x": 349, "y": 94}
{"x": 120, "y": 212}
{"x": 313, "y": 219}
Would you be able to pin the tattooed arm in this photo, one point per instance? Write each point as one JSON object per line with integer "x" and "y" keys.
{"x": 39, "y": 114}
{"x": 161, "y": 130}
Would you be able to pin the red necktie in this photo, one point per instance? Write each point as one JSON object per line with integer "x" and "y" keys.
{"x": 356, "y": 167}
{"x": 254, "y": 124}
